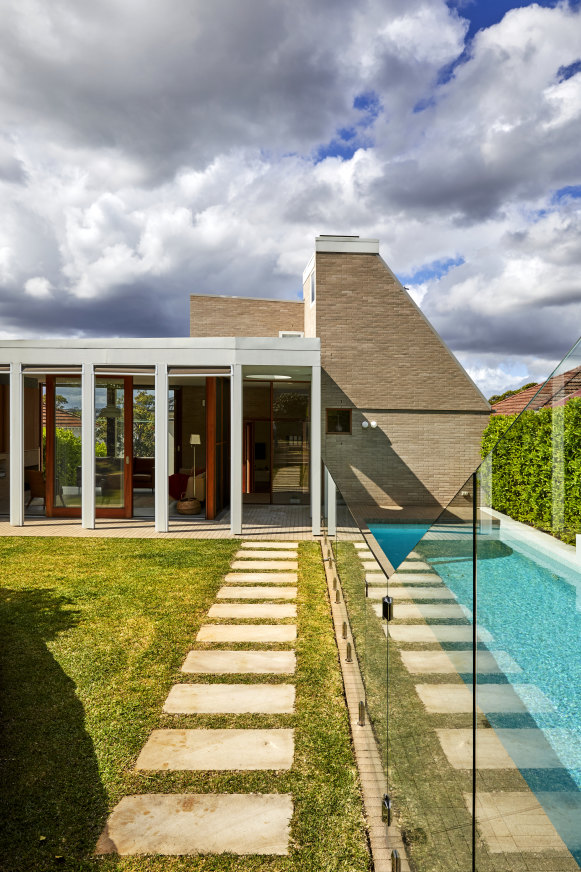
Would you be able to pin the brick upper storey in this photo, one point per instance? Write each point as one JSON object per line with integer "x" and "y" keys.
{"x": 243, "y": 316}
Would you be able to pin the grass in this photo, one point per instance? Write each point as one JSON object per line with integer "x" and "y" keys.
{"x": 428, "y": 795}
{"x": 93, "y": 633}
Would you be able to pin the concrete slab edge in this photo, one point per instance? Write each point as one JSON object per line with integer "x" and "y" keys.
{"x": 382, "y": 840}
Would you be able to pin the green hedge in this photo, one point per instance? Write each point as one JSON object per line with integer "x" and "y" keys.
{"x": 522, "y": 468}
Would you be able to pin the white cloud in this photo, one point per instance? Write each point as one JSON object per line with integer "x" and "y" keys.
{"x": 148, "y": 152}
{"x": 38, "y": 287}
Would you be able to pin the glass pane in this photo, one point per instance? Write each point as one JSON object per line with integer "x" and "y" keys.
{"x": 291, "y": 401}
{"x": 290, "y": 481}
{"x": 68, "y": 420}
{"x": 4, "y": 444}
{"x": 143, "y": 473}
{"x": 364, "y": 586}
{"x": 109, "y": 445}
{"x": 529, "y": 579}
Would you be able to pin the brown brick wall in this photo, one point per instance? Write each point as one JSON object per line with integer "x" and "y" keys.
{"x": 377, "y": 345}
{"x": 381, "y": 358}
{"x": 243, "y": 316}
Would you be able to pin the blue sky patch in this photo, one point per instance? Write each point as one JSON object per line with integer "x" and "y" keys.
{"x": 485, "y": 13}
{"x": 564, "y": 73}
{"x": 337, "y": 148}
{"x": 434, "y": 270}
{"x": 370, "y": 104}
{"x": 568, "y": 192}
{"x": 424, "y": 103}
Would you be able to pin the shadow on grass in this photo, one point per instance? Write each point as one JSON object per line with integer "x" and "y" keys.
{"x": 53, "y": 804}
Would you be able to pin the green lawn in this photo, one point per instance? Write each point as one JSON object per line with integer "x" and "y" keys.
{"x": 93, "y": 633}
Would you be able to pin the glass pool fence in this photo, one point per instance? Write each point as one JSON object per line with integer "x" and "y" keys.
{"x": 467, "y": 631}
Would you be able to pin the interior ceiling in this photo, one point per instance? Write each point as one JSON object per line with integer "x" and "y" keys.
{"x": 297, "y": 373}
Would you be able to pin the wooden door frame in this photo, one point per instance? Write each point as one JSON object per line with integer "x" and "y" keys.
{"x": 125, "y": 511}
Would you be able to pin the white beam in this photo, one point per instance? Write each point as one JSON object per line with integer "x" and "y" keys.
{"x": 236, "y": 450}
{"x": 161, "y": 448}
{"x": 16, "y": 446}
{"x": 316, "y": 450}
{"x": 331, "y": 492}
{"x": 88, "y": 446}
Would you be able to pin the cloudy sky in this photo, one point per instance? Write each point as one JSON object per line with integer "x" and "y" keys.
{"x": 153, "y": 150}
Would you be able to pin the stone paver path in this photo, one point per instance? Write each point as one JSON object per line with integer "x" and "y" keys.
{"x": 182, "y": 824}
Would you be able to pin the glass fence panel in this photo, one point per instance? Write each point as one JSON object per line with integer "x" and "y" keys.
{"x": 430, "y": 669}
{"x": 529, "y": 603}
{"x": 364, "y": 585}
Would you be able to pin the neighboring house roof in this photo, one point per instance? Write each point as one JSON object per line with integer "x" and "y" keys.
{"x": 64, "y": 420}
{"x": 556, "y": 391}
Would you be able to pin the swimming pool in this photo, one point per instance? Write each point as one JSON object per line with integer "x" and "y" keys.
{"x": 529, "y": 601}
{"x": 397, "y": 540}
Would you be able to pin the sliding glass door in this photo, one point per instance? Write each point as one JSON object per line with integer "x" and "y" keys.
{"x": 113, "y": 447}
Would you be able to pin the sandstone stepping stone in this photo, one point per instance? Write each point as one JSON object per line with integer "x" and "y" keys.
{"x": 369, "y": 565}
{"x": 448, "y": 698}
{"x": 217, "y": 750}
{"x": 499, "y": 749}
{"x": 376, "y": 578}
{"x": 458, "y": 661}
{"x": 252, "y": 610}
{"x": 415, "y": 578}
{"x": 365, "y": 554}
{"x": 265, "y": 564}
{"x": 188, "y": 823}
{"x": 258, "y": 543}
{"x": 414, "y": 566}
{"x": 261, "y": 578}
{"x": 230, "y": 698}
{"x": 257, "y": 593}
{"x": 432, "y": 611}
{"x": 247, "y": 633}
{"x": 445, "y": 698}
{"x": 515, "y": 822}
{"x": 457, "y": 746}
{"x": 421, "y": 593}
{"x": 362, "y": 545}
{"x": 239, "y": 662}
{"x": 436, "y": 633}
{"x": 376, "y": 593}
{"x": 265, "y": 555}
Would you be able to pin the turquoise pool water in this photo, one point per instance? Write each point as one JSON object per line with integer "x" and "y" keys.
{"x": 530, "y": 603}
{"x": 397, "y": 540}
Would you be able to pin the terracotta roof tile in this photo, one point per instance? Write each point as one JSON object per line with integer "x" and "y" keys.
{"x": 555, "y": 392}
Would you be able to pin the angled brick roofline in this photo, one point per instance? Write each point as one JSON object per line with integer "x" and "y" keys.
{"x": 556, "y": 391}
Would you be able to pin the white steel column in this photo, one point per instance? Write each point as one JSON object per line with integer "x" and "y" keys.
{"x": 16, "y": 446}
{"x": 88, "y": 446}
{"x": 316, "y": 450}
{"x": 331, "y": 491}
{"x": 236, "y": 450}
{"x": 161, "y": 448}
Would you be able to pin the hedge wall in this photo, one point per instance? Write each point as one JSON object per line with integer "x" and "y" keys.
{"x": 522, "y": 467}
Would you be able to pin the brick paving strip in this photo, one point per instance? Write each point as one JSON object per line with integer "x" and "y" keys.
{"x": 183, "y": 824}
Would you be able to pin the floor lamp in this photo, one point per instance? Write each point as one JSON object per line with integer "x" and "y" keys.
{"x": 195, "y": 440}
